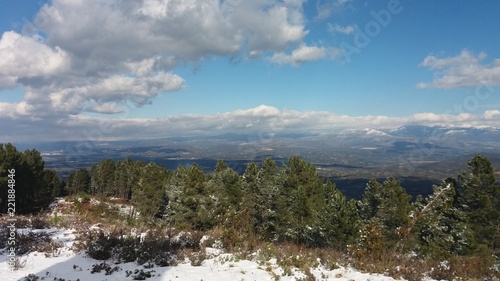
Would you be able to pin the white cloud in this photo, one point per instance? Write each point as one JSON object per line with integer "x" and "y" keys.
{"x": 443, "y": 119}
{"x": 464, "y": 70}
{"x": 186, "y": 29}
{"x": 336, "y": 28}
{"x": 124, "y": 52}
{"x": 300, "y": 55}
{"x": 113, "y": 90}
{"x": 491, "y": 114}
{"x": 28, "y": 57}
{"x": 325, "y": 8}
{"x": 258, "y": 120}
{"x": 262, "y": 110}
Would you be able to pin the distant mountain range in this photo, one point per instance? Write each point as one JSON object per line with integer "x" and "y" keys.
{"x": 352, "y": 156}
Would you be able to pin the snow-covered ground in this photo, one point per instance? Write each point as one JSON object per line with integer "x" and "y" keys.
{"x": 65, "y": 264}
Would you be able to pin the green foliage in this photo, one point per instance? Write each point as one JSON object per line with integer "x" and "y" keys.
{"x": 34, "y": 185}
{"x": 191, "y": 200}
{"x": 261, "y": 188}
{"x": 79, "y": 181}
{"x": 292, "y": 204}
{"x": 107, "y": 178}
{"x": 300, "y": 199}
{"x": 197, "y": 259}
{"x": 229, "y": 185}
{"x": 388, "y": 206}
{"x": 339, "y": 218}
{"x": 103, "y": 176}
{"x": 441, "y": 228}
{"x": 126, "y": 178}
{"x": 479, "y": 199}
{"x": 237, "y": 231}
{"x": 99, "y": 246}
{"x": 149, "y": 194}
{"x": 157, "y": 249}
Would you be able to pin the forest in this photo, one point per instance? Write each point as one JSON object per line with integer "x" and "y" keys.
{"x": 287, "y": 203}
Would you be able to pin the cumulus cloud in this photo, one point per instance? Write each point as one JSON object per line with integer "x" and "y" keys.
{"x": 28, "y": 57}
{"x": 491, "y": 114}
{"x": 108, "y": 92}
{"x": 463, "y": 70}
{"x": 300, "y": 55}
{"x": 97, "y": 56}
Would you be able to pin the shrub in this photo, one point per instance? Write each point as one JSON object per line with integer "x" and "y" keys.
{"x": 39, "y": 223}
{"x": 31, "y": 277}
{"x": 127, "y": 252}
{"x": 98, "y": 267}
{"x": 197, "y": 258}
{"x": 158, "y": 249}
{"x": 140, "y": 274}
{"x": 100, "y": 247}
{"x": 33, "y": 241}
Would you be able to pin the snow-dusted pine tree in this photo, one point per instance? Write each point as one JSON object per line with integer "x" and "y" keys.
{"x": 440, "y": 228}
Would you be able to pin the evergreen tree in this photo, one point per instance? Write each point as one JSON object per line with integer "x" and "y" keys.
{"x": 120, "y": 180}
{"x": 10, "y": 159}
{"x": 386, "y": 207}
{"x": 30, "y": 185}
{"x": 191, "y": 200}
{"x": 148, "y": 196}
{"x": 440, "y": 227}
{"x": 53, "y": 182}
{"x": 126, "y": 177}
{"x": 227, "y": 185}
{"x": 103, "y": 175}
{"x": 339, "y": 218}
{"x": 372, "y": 198}
{"x": 299, "y": 203}
{"x": 94, "y": 179}
{"x": 32, "y": 191}
{"x": 79, "y": 181}
{"x": 479, "y": 200}
{"x": 261, "y": 191}
{"x": 175, "y": 210}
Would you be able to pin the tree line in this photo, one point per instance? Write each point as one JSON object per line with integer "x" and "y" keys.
{"x": 34, "y": 185}
{"x": 289, "y": 203}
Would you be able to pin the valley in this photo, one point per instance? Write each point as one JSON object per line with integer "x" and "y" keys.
{"x": 418, "y": 156}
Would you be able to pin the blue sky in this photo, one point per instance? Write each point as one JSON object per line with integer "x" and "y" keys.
{"x": 69, "y": 66}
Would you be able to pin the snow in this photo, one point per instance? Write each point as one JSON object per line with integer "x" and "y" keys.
{"x": 66, "y": 264}
{"x": 374, "y": 132}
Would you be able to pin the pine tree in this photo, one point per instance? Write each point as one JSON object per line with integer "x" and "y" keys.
{"x": 120, "y": 180}
{"x": 10, "y": 159}
{"x": 339, "y": 218}
{"x": 372, "y": 198}
{"x": 175, "y": 210}
{"x": 31, "y": 186}
{"x": 440, "y": 227}
{"x": 53, "y": 182}
{"x": 103, "y": 175}
{"x": 32, "y": 191}
{"x": 479, "y": 200}
{"x": 149, "y": 194}
{"x": 126, "y": 177}
{"x": 191, "y": 200}
{"x": 79, "y": 181}
{"x": 386, "y": 207}
{"x": 227, "y": 185}
{"x": 301, "y": 199}
{"x": 261, "y": 191}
